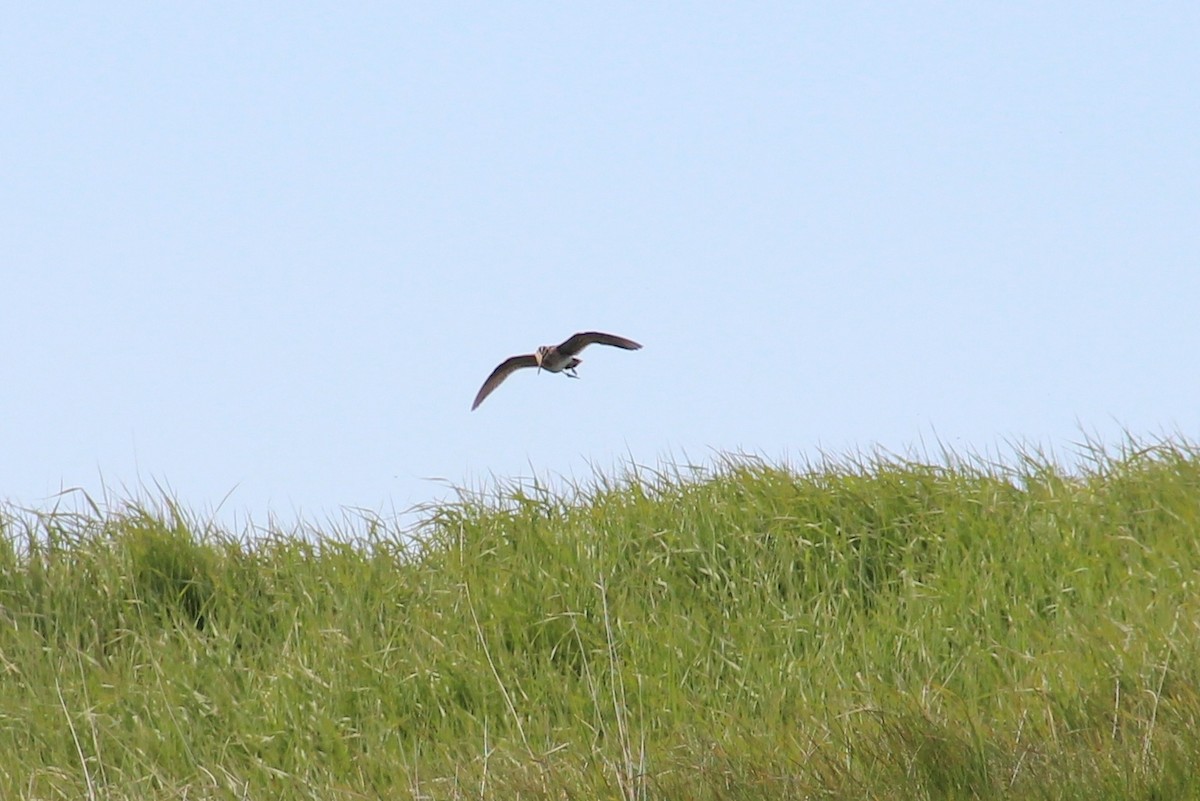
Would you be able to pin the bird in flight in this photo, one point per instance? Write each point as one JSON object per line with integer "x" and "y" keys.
{"x": 552, "y": 358}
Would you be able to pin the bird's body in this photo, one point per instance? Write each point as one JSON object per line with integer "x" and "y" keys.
{"x": 551, "y": 358}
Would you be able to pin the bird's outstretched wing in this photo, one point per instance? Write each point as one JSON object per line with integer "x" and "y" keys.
{"x": 500, "y": 373}
{"x": 580, "y": 341}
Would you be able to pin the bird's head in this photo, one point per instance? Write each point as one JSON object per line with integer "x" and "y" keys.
{"x": 540, "y": 354}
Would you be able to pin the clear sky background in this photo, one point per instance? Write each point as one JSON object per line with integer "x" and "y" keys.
{"x": 264, "y": 254}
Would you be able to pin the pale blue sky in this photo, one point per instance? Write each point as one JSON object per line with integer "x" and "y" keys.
{"x": 272, "y": 250}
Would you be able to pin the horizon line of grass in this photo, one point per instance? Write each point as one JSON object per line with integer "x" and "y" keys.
{"x": 865, "y": 627}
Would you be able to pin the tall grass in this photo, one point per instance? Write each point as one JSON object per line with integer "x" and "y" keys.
{"x": 863, "y": 628}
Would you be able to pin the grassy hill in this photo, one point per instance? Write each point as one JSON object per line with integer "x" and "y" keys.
{"x": 860, "y": 629}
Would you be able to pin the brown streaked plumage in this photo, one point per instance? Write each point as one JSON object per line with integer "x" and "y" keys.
{"x": 553, "y": 358}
